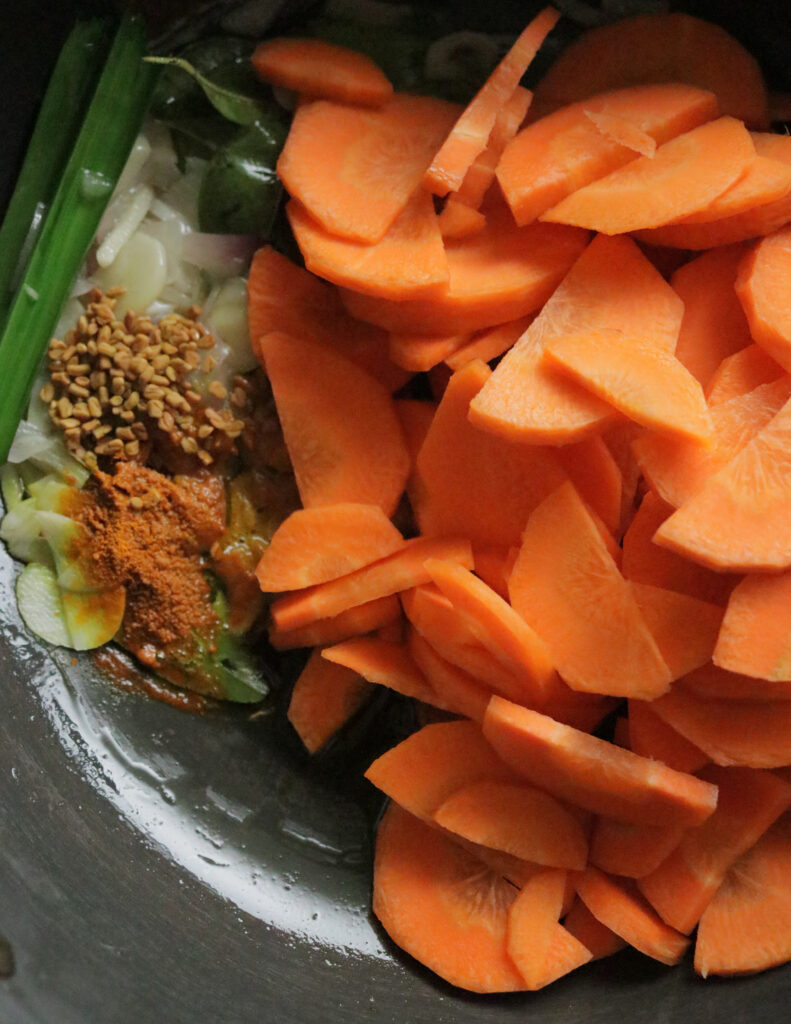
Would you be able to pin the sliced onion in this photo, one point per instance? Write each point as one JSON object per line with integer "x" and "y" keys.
{"x": 128, "y": 222}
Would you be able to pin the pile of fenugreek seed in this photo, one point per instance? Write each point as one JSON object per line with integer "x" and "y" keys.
{"x": 117, "y": 387}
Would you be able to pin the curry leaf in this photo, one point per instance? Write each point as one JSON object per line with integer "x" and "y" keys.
{"x": 234, "y": 106}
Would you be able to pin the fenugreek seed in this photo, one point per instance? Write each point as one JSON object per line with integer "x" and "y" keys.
{"x": 147, "y": 375}
{"x": 116, "y": 401}
{"x": 92, "y": 347}
{"x": 78, "y": 391}
{"x": 192, "y": 397}
{"x": 115, "y": 445}
{"x": 64, "y": 407}
{"x": 160, "y": 362}
{"x": 69, "y": 423}
{"x": 83, "y": 381}
{"x": 153, "y": 391}
{"x": 168, "y": 349}
{"x": 104, "y": 347}
{"x": 214, "y": 418}
{"x": 116, "y": 372}
{"x": 173, "y": 398}
{"x": 72, "y": 432}
{"x": 166, "y": 421}
{"x": 60, "y": 378}
{"x": 191, "y": 358}
{"x": 90, "y": 425}
{"x": 127, "y": 415}
{"x": 68, "y": 353}
{"x": 94, "y": 406}
{"x": 238, "y": 398}
{"x": 56, "y": 345}
{"x": 105, "y": 363}
{"x": 218, "y": 390}
{"x": 93, "y": 328}
{"x": 160, "y": 380}
{"x": 154, "y": 410}
{"x": 102, "y": 431}
{"x": 47, "y": 393}
{"x": 101, "y": 448}
{"x": 170, "y": 373}
{"x": 205, "y": 458}
{"x": 208, "y": 364}
{"x": 139, "y": 430}
{"x": 205, "y": 429}
{"x": 132, "y": 448}
{"x": 104, "y": 394}
{"x": 132, "y": 401}
{"x": 80, "y": 411}
{"x": 189, "y": 445}
{"x": 124, "y": 433}
{"x": 118, "y": 386}
{"x": 97, "y": 378}
{"x": 137, "y": 364}
{"x": 115, "y": 292}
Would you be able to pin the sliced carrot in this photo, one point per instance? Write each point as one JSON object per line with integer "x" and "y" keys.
{"x": 682, "y": 886}
{"x": 418, "y": 353}
{"x": 408, "y": 262}
{"x": 314, "y": 545}
{"x": 383, "y": 663}
{"x": 760, "y": 288}
{"x": 594, "y": 472}
{"x": 645, "y": 383}
{"x": 474, "y": 484}
{"x": 584, "y": 711}
{"x": 685, "y": 628}
{"x": 593, "y": 935}
{"x": 739, "y": 520}
{"x": 490, "y": 343}
{"x": 711, "y": 681}
{"x": 422, "y": 771}
{"x": 532, "y": 926}
{"x": 458, "y": 220}
{"x": 619, "y": 437}
{"x": 397, "y": 572}
{"x": 494, "y": 565}
{"x": 567, "y": 587}
{"x": 620, "y": 732}
{"x": 764, "y": 181}
{"x": 335, "y": 458}
{"x": 651, "y": 736}
{"x": 623, "y": 848}
{"x": 324, "y": 698}
{"x": 470, "y": 134}
{"x": 439, "y": 904}
{"x": 554, "y": 156}
{"x": 741, "y": 373}
{"x": 745, "y": 928}
{"x": 354, "y": 169}
{"x": 611, "y": 286}
{"x": 658, "y": 48}
{"x": 315, "y": 68}
{"x": 353, "y": 622}
{"x": 755, "y": 639}
{"x": 620, "y": 129}
{"x": 752, "y": 733}
{"x": 592, "y": 773}
{"x": 624, "y": 912}
{"x": 456, "y": 688}
{"x": 683, "y": 177}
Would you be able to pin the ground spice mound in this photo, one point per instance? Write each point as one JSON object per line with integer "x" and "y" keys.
{"x": 149, "y": 534}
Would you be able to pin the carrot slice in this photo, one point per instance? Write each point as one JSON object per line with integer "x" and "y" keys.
{"x": 315, "y": 68}
{"x": 624, "y": 912}
{"x": 592, "y": 773}
{"x": 760, "y": 289}
{"x": 554, "y": 156}
{"x": 383, "y": 663}
{"x": 566, "y": 585}
{"x": 683, "y": 885}
{"x": 741, "y": 373}
{"x": 739, "y": 520}
{"x": 353, "y": 622}
{"x": 611, "y": 286}
{"x": 517, "y": 819}
{"x": 645, "y": 383}
{"x": 684, "y": 176}
{"x": 418, "y": 353}
{"x": 594, "y": 472}
{"x": 408, "y": 262}
{"x": 685, "y": 628}
{"x": 745, "y": 928}
{"x": 764, "y": 181}
{"x": 314, "y": 545}
{"x": 593, "y": 935}
{"x": 494, "y": 565}
{"x": 336, "y": 458}
{"x": 752, "y": 733}
{"x": 490, "y": 343}
{"x": 439, "y": 904}
{"x": 619, "y": 437}
{"x": 651, "y": 736}
{"x": 415, "y": 418}
{"x": 623, "y": 848}
{"x": 470, "y": 134}
{"x": 475, "y": 485}
{"x": 457, "y": 690}
{"x": 658, "y": 48}
{"x": 422, "y": 771}
{"x": 458, "y": 220}
{"x": 711, "y": 681}
{"x": 354, "y": 170}
{"x": 397, "y": 572}
{"x": 756, "y": 632}
{"x": 324, "y": 698}
{"x": 584, "y": 711}
{"x": 620, "y": 129}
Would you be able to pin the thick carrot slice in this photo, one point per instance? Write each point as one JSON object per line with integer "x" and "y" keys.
{"x": 683, "y": 177}
{"x": 752, "y": 733}
{"x": 629, "y": 850}
{"x": 624, "y": 912}
{"x": 651, "y": 736}
{"x": 619, "y": 437}
{"x": 457, "y": 690}
{"x": 682, "y": 886}
{"x": 611, "y": 286}
{"x": 314, "y": 545}
{"x": 584, "y": 711}
{"x": 354, "y": 170}
{"x": 532, "y": 925}
{"x": 593, "y": 935}
{"x": 566, "y": 585}
{"x": 408, "y": 262}
{"x": 470, "y": 135}
{"x": 745, "y": 928}
{"x": 741, "y": 373}
{"x": 324, "y": 698}
{"x": 475, "y": 485}
{"x": 764, "y": 181}
{"x": 315, "y": 68}
{"x": 658, "y": 48}
{"x": 458, "y": 220}
{"x": 499, "y": 274}
{"x": 422, "y": 771}
{"x": 594, "y": 472}
{"x": 439, "y": 904}
{"x": 711, "y": 681}
{"x": 418, "y": 353}
{"x": 645, "y": 383}
{"x": 383, "y": 663}
{"x": 397, "y": 572}
{"x": 592, "y": 773}
{"x": 353, "y": 622}
{"x": 554, "y": 156}
{"x": 490, "y": 343}
{"x": 685, "y": 628}
{"x": 494, "y": 565}
{"x": 755, "y": 639}
{"x": 620, "y": 129}
{"x": 760, "y": 289}
{"x": 518, "y": 819}
{"x": 739, "y": 520}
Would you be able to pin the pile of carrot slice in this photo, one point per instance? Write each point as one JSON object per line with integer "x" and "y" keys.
{"x": 590, "y": 585}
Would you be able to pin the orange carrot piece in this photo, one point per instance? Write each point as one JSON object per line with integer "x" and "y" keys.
{"x": 619, "y": 437}
{"x": 594, "y": 472}
{"x": 336, "y": 458}
{"x": 683, "y": 885}
{"x": 532, "y": 925}
{"x": 418, "y": 353}
{"x": 592, "y": 773}
{"x": 629, "y": 850}
{"x": 593, "y": 935}
{"x": 741, "y": 373}
{"x": 487, "y": 489}
{"x": 353, "y": 169}
{"x": 685, "y": 628}
{"x": 651, "y": 736}
{"x": 620, "y": 129}
{"x": 353, "y": 622}
{"x": 315, "y": 68}
{"x": 658, "y": 48}
{"x": 745, "y": 928}
{"x": 755, "y": 639}
{"x": 422, "y": 771}
{"x": 684, "y": 176}
{"x": 517, "y": 819}
{"x": 489, "y": 344}
{"x": 408, "y": 262}
{"x": 470, "y": 135}
{"x": 324, "y": 698}
{"x": 764, "y": 181}
{"x": 711, "y": 681}
{"x": 566, "y": 585}
{"x": 458, "y": 220}
{"x": 439, "y": 904}
{"x": 584, "y": 711}
{"x": 494, "y": 565}
{"x": 611, "y": 286}
{"x": 314, "y": 545}
{"x": 624, "y": 912}
{"x": 759, "y": 286}
{"x": 397, "y": 572}
{"x": 555, "y": 155}
{"x": 620, "y": 732}
{"x": 455, "y": 688}
{"x": 415, "y": 418}
{"x": 382, "y": 663}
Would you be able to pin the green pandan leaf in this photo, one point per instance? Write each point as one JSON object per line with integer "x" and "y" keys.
{"x": 234, "y": 106}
